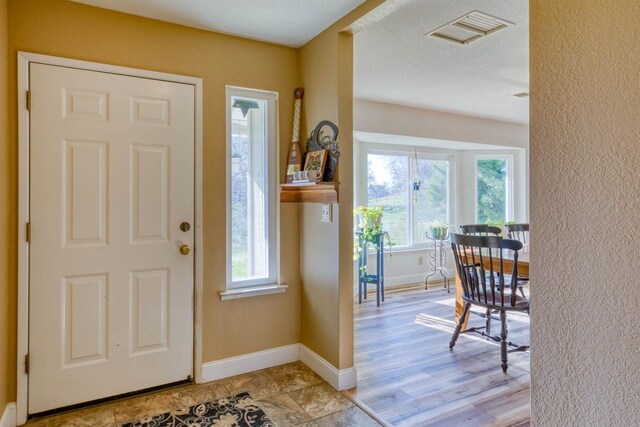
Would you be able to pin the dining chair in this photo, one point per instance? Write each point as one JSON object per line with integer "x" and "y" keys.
{"x": 480, "y": 230}
{"x": 488, "y": 274}
{"x": 519, "y": 232}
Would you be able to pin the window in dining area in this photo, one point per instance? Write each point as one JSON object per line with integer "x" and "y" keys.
{"x": 412, "y": 190}
{"x": 493, "y": 189}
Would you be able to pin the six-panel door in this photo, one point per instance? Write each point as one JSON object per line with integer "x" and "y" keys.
{"x": 111, "y": 296}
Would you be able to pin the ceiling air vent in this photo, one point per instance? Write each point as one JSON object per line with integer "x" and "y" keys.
{"x": 470, "y": 27}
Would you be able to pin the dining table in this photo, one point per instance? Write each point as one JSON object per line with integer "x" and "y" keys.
{"x": 507, "y": 260}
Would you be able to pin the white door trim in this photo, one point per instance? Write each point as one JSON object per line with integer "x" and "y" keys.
{"x": 24, "y": 59}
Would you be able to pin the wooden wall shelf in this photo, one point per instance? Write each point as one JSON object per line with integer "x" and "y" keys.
{"x": 324, "y": 192}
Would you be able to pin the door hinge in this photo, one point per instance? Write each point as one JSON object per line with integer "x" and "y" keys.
{"x": 29, "y": 100}
{"x": 26, "y": 363}
{"x": 29, "y": 232}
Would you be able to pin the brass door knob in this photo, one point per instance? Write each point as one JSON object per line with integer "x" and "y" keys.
{"x": 185, "y": 250}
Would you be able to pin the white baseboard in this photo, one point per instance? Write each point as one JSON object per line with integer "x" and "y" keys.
{"x": 224, "y": 368}
{"x": 340, "y": 379}
{"x": 406, "y": 279}
{"x": 391, "y": 282}
{"x": 9, "y": 416}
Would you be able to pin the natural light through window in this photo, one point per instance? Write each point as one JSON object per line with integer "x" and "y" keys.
{"x": 251, "y": 231}
{"x": 492, "y": 190}
{"x": 388, "y": 188}
{"x": 431, "y": 201}
{"x": 412, "y": 190}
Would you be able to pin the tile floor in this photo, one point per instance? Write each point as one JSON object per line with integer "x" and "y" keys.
{"x": 290, "y": 395}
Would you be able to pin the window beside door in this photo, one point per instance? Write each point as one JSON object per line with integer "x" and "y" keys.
{"x": 390, "y": 178}
{"x": 251, "y": 188}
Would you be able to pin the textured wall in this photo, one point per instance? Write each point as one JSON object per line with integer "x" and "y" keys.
{"x": 63, "y": 28}
{"x": 7, "y": 291}
{"x": 585, "y": 199}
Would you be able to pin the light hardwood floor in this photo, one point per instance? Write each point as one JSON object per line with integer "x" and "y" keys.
{"x": 408, "y": 376}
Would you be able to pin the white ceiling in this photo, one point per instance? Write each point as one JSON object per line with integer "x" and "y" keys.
{"x": 395, "y": 63}
{"x": 286, "y": 22}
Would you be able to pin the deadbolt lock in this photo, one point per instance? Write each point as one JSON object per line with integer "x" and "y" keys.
{"x": 185, "y": 226}
{"x": 185, "y": 250}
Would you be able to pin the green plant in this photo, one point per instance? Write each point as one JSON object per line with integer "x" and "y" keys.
{"x": 369, "y": 227}
{"x": 436, "y": 229}
{"x": 368, "y": 218}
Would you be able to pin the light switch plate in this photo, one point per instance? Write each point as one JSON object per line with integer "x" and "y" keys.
{"x": 325, "y": 213}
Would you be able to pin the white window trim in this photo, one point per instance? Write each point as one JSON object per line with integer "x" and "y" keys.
{"x": 272, "y": 194}
{"x": 365, "y": 148}
{"x": 509, "y": 214}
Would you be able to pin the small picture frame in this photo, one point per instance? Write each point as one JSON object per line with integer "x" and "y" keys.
{"x": 316, "y": 161}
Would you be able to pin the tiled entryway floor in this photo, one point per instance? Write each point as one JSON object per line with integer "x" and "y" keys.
{"x": 290, "y": 395}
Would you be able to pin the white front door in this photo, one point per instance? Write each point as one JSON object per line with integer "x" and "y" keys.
{"x": 112, "y": 180}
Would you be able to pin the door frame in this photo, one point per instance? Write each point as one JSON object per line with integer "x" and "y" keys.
{"x": 24, "y": 59}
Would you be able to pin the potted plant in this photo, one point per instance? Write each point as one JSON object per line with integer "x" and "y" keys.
{"x": 437, "y": 230}
{"x": 369, "y": 224}
{"x": 368, "y": 218}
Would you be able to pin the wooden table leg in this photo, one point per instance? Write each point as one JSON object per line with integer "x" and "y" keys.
{"x": 460, "y": 303}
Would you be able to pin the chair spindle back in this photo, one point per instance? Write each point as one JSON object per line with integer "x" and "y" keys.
{"x": 518, "y": 232}
{"x": 480, "y": 230}
{"x": 481, "y": 267}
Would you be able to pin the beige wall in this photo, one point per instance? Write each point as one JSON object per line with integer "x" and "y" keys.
{"x": 327, "y": 73}
{"x": 62, "y": 28}
{"x": 585, "y": 199}
{"x": 380, "y": 117}
{"x": 7, "y": 290}
{"x": 319, "y": 276}
{"x": 319, "y": 272}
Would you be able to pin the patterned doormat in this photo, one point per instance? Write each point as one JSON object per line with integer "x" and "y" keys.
{"x": 231, "y": 411}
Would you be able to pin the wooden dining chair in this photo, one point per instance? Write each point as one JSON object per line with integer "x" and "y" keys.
{"x": 480, "y": 230}
{"x": 489, "y": 280}
{"x": 519, "y": 232}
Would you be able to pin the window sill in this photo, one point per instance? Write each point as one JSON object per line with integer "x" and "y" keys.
{"x": 252, "y": 291}
{"x": 408, "y": 249}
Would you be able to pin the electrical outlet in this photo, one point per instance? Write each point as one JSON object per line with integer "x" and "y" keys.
{"x": 420, "y": 260}
{"x": 325, "y": 213}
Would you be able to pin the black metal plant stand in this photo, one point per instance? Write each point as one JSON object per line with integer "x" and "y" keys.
{"x": 364, "y": 277}
{"x": 438, "y": 262}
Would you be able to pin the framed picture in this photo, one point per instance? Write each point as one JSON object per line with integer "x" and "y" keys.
{"x": 316, "y": 161}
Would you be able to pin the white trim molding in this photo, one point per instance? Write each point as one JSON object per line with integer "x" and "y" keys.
{"x": 252, "y": 291}
{"x": 24, "y": 59}
{"x": 250, "y": 362}
{"x": 340, "y": 379}
{"x": 9, "y": 416}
